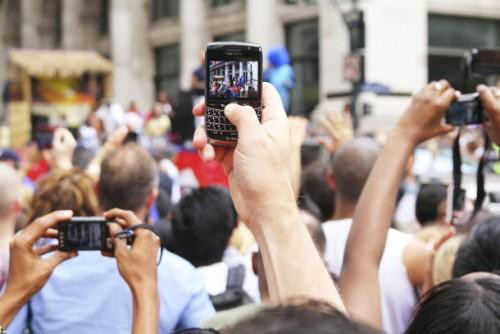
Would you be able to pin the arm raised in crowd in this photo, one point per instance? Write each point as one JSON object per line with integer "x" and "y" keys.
{"x": 137, "y": 266}
{"x": 490, "y": 97}
{"x": 373, "y": 216}
{"x": 259, "y": 182}
{"x": 28, "y": 271}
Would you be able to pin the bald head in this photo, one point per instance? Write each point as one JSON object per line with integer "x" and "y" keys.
{"x": 128, "y": 177}
{"x": 10, "y": 188}
{"x": 352, "y": 165}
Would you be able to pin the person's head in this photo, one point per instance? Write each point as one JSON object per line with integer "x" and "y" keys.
{"x": 352, "y": 165}
{"x": 163, "y": 97}
{"x": 156, "y": 109}
{"x": 430, "y": 207}
{"x": 464, "y": 305}
{"x": 128, "y": 180}
{"x": 9, "y": 156}
{"x": 311, "y": 317}
{"x": 314, "y": 187}
{"x": 202, "y": 224}
{"x": 10, "y": 192}
{"x": 278, "y": 56}
{"x": 480, "y": 251}
{"x": 65, "y": 190}
{"x": 132, "y": 107}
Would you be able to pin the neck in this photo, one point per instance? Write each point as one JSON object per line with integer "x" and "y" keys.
{"x": 343, "y": 209}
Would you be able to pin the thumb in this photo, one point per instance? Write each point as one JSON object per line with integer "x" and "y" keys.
{"x": 244, "y": 118}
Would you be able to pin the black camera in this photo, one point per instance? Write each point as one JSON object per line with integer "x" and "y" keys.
{"x": 84, "y": 233}
{"x": 466, "y": 111}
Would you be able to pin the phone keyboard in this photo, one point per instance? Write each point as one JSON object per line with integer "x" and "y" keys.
{"x": 218, "y": 126}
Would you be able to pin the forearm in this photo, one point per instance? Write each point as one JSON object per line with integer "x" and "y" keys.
{"x": 292, "y": 264}
{"x": 295, "y": 168}
{"x": 146, "y": 309}
{"x": 9, "y": 306}
{"x": 372, "y": 220}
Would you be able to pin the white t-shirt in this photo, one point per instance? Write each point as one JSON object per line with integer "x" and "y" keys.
{"x": 398, "y": 294}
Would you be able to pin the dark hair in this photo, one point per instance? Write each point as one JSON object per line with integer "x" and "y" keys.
{"x": 315, "y": 188}
{"x": 128, "y": 176}
{"x": 311, "y": 317}
{"x": 429, "y": 198}
{"x": 459, "y": 306}
{"x": 480, "y": 251}
{"x": 202, "y": 224}
{"x": 352, "y": 165}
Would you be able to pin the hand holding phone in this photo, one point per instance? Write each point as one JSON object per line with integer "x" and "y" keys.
{"x": 234, "y": 75}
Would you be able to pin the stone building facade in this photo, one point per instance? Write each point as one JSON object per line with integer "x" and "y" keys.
{"x": 156, "y": 44}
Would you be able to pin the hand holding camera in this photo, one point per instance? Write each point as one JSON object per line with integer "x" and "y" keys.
{"x": 424, "y": 117}
{"x": 490, "y": 98}
{"x": 28, "y": 271}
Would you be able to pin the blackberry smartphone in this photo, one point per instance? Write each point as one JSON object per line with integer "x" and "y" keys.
{"x": 233, "y": 74}
{"x": 84, "y": 233}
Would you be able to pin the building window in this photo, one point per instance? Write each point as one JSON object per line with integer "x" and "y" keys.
{"x": 450, "y": 37}
{"x": 167, "y": 64}
{"x": 165, "y": 8}
{"x": 302, "y": 43}
{"x": 104, "y": 18}
{"x": 232, "y": 37}
{"x": 218, "y": 3}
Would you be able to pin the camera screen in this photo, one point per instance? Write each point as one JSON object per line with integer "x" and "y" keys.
{"x": 85, "y": 235}
{"x": 233, "y": 79}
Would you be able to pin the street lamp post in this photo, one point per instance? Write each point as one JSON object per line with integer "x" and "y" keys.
{"x": 353, "y": 64}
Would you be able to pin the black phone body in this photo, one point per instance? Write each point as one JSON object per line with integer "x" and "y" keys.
{"x": 84, "y": 233}
{"x": 233, "y": 72}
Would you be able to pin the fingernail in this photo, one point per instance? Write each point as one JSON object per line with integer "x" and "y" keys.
{"x": 481, "y": 88}
{"x": 67, "y": 212}
{"x": 230, "y": 108}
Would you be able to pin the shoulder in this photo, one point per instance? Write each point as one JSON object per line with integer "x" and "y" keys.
{"x": 174, "y": 271}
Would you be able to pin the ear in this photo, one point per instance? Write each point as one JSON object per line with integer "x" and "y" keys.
{"x": 151, "y": 199}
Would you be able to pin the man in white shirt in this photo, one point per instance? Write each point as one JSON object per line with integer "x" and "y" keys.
{"x": 401, "y": 270}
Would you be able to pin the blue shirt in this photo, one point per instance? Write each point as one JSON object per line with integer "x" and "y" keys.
{"x": 86, "y": 294}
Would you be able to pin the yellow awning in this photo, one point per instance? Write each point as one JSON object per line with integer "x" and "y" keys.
{"x": 59, "y": 63}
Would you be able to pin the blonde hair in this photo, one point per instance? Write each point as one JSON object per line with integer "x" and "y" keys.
{"x": 65, "y": 190}
{"x": 444, "y": 259}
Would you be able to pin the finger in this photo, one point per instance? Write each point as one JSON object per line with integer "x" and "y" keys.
{"x": 199, "y": 109}
{"x": 59, "y": 257}
{"x": 244, "y": 119}
{"x": 200, "y": 137}
{"x": 443, "y": 85}
{"x": 446, "y": 98}
{"x": 37, "y": 228}
{"x": 51, "y": 233}
{"x": 120, "y": 244}
{"x": 145, "y": 239}
{"x": 207, "y": 153}
{"x": 487, "y": 98}
{"x": 128, "y": 218}
{"x": 271, "y": 101}
{"x": 45, "y": 249}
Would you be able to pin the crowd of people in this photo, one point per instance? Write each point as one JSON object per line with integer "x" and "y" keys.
{"x": 298, "y": 243}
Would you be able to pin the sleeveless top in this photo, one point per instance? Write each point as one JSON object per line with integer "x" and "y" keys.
{"x": 398, "y": 294}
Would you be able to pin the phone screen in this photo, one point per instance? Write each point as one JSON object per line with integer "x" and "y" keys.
{"x": 233, "y": 80}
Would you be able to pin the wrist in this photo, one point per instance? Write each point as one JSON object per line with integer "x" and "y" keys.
{"x": 403, "y": 136}
{"x": 147, "y": 286}
{"x": 10, "y": 304}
